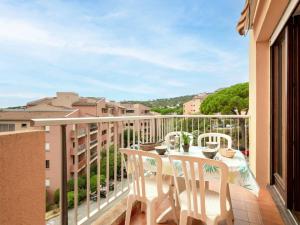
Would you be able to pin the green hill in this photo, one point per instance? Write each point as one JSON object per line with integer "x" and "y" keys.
{"x": 165, "y": 105}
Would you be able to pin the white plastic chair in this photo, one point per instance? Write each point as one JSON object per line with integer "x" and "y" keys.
{"x": 178, "y": 133}
{"x": 150, "y": 190}
{"x": 196, "y": 200}
{"x": 214, "y": 137}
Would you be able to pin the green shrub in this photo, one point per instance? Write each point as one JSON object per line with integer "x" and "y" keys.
{"x": 82, "y": 182}
{"x": 81, "y": 195}
{"x": 56, "y": 196}
{"x": 93, "y": 183}
{"x": 70, "y": 199}
{"x": 71, "y": 184}
{"x": 111, "y": 156}
{"x": 93, "y": 169}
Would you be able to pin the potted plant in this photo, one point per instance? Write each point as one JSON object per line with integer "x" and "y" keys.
{"x": 186, "y": 141}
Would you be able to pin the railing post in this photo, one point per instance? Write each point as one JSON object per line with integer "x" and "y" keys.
{"x": 64, "y": 182}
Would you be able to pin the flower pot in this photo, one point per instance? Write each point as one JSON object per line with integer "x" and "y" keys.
{"x": 186, "y": 148}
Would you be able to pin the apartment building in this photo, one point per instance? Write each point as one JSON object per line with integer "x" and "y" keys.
{"x": 65, "y": 105}
{"x": 193, "y": 106}
{"x": 136, "y": 109}
{"x": 19, "y": 120}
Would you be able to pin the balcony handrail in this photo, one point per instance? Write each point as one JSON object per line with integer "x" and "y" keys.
{"x": 127, "y": 131}
{"x": 85, "y": 120}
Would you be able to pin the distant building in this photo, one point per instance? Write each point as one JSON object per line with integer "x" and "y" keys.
{"x": 64, "y": 105}
{"x": 139, "y": 110}
{"x": 193, "y": 106}
{"x": 136, "y": 109}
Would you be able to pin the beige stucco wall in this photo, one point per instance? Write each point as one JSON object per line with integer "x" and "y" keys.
{"x": 252, "y": 101}
{"x": 22, "y": 183}
{"x": 267, "y": 16}
{"x": 65, "y": 99}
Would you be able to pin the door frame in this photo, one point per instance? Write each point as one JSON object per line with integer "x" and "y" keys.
{"x": 293, "y": 114}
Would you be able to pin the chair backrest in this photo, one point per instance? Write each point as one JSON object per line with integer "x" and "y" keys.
{"x": 191, "y": 169}
{"x": 214, "y": 137}
{"x": 135, "y": 167}
{"x": 179, "y": 134}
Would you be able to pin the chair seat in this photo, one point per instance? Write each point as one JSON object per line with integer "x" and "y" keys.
{"x": 151, "y": 187}
{"x": 212, "y": 204}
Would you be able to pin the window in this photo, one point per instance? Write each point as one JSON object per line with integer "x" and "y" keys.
{"x": 47, "y": 164}
{"x": 47, "y": 182}
{"x": 7, "y": 127}
{"x": 47, "y": 128}
{"x": 112, "y": 129}
{"x": 104, "y": 110}
{"x": 24, "y": 125}
{"x": 112, "y": 139}
{"x": 129, "y": 111}
{"x": 47, "y": 146}
{"x": 104, "y": 132}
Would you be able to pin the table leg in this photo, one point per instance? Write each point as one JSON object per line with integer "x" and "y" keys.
{"x": 170, "y": 212}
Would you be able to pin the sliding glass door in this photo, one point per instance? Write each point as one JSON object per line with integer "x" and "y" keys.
{"x": 279, "y": 111}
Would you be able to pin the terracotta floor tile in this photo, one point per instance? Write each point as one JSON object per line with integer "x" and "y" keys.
{"x": 252, "y": 207}
{"x": 240, "y": 214}
{"x": 238, "y": 205}
{"x": 254, "y": 218}
{"x": 240, "y": 222}
{"x": 248, "y": 210}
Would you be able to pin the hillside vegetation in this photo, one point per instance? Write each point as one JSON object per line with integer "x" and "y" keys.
{"x": 165, "y": 105}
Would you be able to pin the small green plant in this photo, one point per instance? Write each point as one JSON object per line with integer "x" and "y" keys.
{"x": 185, "y": 138}
{"x": 56, "y": 196}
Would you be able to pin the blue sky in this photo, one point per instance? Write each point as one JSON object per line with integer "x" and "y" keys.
{"x": 127, "y": 49}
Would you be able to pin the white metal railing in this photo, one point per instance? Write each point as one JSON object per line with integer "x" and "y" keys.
{"x": 109, "y": 168}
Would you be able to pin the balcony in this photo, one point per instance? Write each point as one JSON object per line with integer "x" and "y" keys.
{"x": 93, "y": 143}
{"x": 81, "y": 149}
{"x": 112, "y": 187}
{"x": 81, "y": 166}
{"x": 93, "y": 128}
{"x": 80, "y": 133}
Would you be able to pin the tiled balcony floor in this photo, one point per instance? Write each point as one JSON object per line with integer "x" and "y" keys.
{"x": 248, "y": 210}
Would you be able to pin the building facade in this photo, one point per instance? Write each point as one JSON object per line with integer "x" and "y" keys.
{"x": 65, "y": 105}
{"x": 193, "y": 106}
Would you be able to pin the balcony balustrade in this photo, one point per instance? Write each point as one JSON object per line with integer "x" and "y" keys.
{"x": 144, "y": 129}
{"x": 81, "y": 149}
{"x": 93, "y": 128}
{"x": 80, "y": 133}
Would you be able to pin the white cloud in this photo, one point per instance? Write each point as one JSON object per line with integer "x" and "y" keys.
{"x": 18, "y": 30}
{"x": 28, "y": 32}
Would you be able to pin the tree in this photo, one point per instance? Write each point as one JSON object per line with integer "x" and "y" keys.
{"x": 125, "y": 132}
{"x": 93, "y": 182}
{"x": 231, "y": 100}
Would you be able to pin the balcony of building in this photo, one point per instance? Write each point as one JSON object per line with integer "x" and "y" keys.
{"x": 106, "y": 201}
